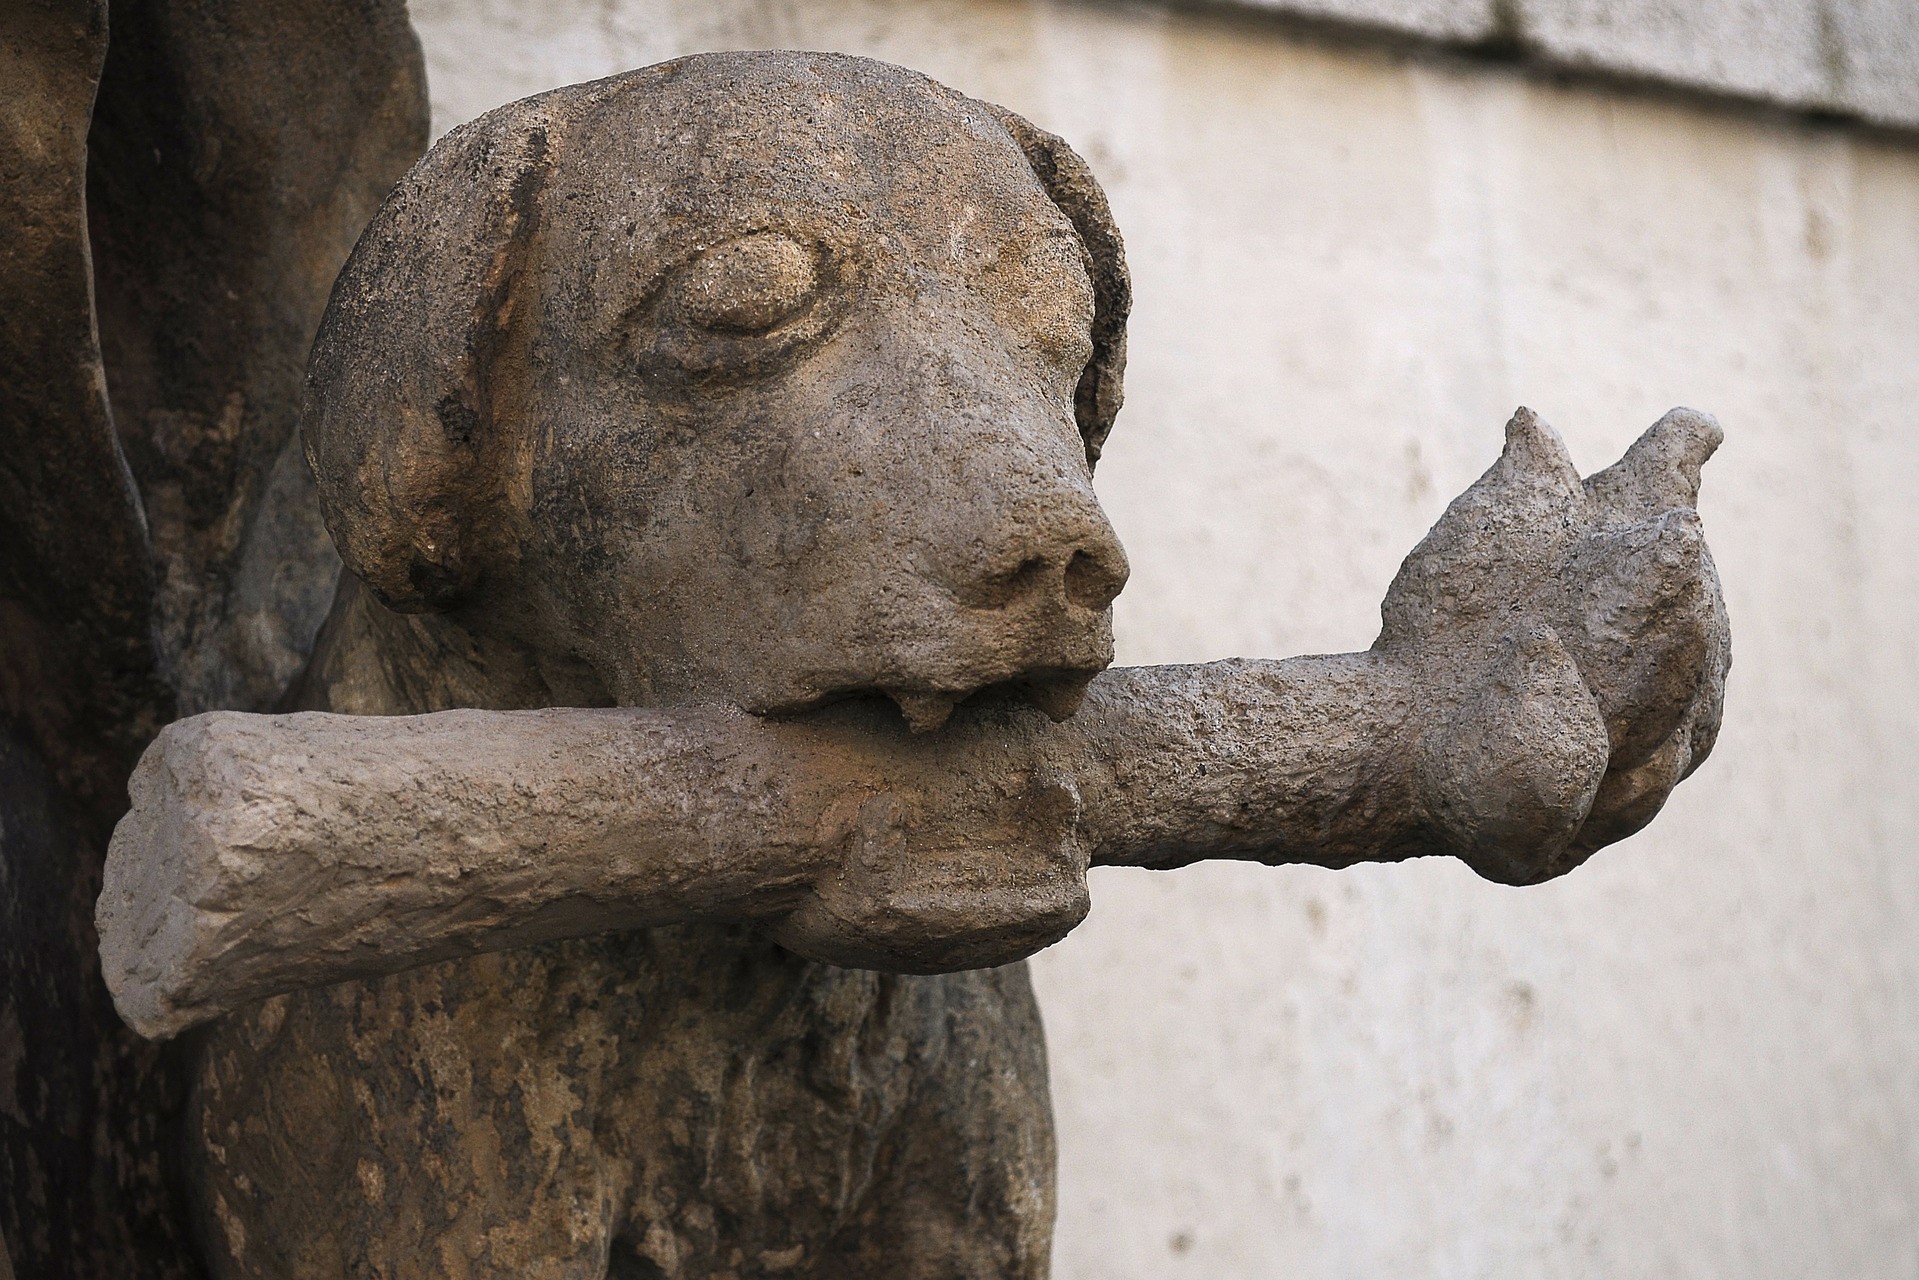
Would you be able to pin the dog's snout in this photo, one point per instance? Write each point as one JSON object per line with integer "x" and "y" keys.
{"x": 1065, "y": 553}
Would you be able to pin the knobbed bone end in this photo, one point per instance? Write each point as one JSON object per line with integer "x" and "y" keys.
{"x": 150, "y": 924}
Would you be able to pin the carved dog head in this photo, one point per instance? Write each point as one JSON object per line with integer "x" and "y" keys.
{"x": 769, "y": 377}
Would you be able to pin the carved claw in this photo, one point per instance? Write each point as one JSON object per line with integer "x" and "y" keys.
{"x": 1495, "y": 543}
{"x": 1661, "y": 471}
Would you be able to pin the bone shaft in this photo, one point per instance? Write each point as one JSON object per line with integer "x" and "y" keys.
{"x": 1292, "y": 761}
{"x": 266, "y": 854}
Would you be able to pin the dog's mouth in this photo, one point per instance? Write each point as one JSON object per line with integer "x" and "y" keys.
{"x": 1055, "y": 693}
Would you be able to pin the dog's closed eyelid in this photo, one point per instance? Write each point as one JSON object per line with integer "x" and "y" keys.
{"x": 738, "y": 310}
{"x": 746, "y": 285}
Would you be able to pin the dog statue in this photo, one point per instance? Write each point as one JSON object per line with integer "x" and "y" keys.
{"x": 775, "y": 380}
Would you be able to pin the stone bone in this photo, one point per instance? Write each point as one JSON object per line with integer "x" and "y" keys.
{"x": 1552, "y": 663}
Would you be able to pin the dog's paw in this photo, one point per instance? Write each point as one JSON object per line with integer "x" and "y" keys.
{"x": 1571, "y": 643}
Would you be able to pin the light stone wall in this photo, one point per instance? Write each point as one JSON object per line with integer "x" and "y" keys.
{"x": 1698, "y": 1056}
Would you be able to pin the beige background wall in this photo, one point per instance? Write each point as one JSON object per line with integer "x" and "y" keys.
{"x": 1699, "y": 1055}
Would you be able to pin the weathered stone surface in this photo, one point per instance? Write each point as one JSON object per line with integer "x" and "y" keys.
{"x": 763, "y": 380}
{"x": 412, "y": 839}
{"x": 1873, "y": 57}
{"x": 1850, "y": 57}
{"x": 1776, "y": 50}
{"x": 235, "y": 155}
{"x": 1351, "y": 267}
{"x": 77, "y": 592}
{"x": 81, "y": 1102}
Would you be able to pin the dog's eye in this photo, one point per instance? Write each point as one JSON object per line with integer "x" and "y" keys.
{"x": 747, "y": 285}
{"x": 739, "y": 310}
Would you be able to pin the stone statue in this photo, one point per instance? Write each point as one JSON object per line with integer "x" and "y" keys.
{"x": 717, "y": 710}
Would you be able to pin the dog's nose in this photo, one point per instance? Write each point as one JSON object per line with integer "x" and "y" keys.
{"x": 1059, "y": 548}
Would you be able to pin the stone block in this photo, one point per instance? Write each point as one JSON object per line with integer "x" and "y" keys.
{"x": 1465, "y": 21}
{"x": 1852, "y": 57}
{"x": 1874, "y": 59}
{"x": 1771, "y": 50}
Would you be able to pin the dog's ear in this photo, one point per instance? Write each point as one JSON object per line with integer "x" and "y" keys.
{"x": 402, "y": 384}
{"x": 1077, "y": 192}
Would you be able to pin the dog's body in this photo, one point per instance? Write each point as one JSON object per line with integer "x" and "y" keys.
{"x": 767, "y": 379}
{"x": 681, "y": 1102}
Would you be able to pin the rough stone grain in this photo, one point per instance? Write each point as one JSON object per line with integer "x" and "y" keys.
{"x": 1873, "y": 56}
{"x": 234, "y": 157}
